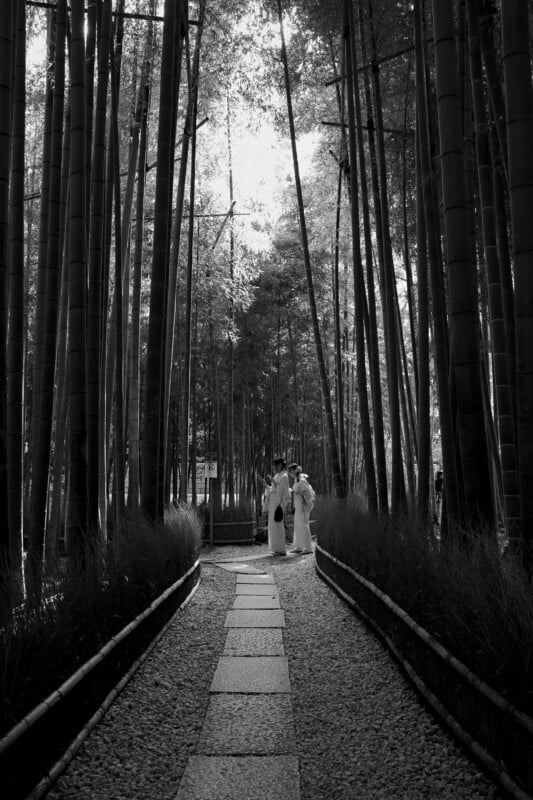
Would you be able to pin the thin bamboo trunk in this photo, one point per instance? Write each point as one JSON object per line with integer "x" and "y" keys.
{"x": 90, "y": 50}
{"x": 502, "y": 385}
{"x": 411, "y": 305}
{"x": 230, "y": 411}
{"x": 339, "y": 366}
{"x": 55, "y": 502}
{"x": 77, "y": 519}
{"x": 338, "y": 485}
{"x": 504, "y": 257}
{"x": 42, "y": 435}
{"x": 351, "y": 72}
{"x": 152, "y": 456}
{"x": 187, "y": 357}
{"x": 95, "y": 322}
{"x": 423, "y": 395}
{"x": 373, "y": 345}
{"x": 519, "y": 105}
{"x": 177, "y": 225}
{"x": 487, "y": 13}
{"x": 135, "y": 344}
{"x": 440, "y": 329}
{"x": 389, "y": 280}
{"x": 16, "y": 305}
{"x": 119, "y": 460}
{"x": 33, "y": 567}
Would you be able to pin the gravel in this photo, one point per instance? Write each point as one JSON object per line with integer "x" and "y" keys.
{"x": 362, "y": 732}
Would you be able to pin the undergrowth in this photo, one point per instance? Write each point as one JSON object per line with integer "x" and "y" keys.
{"x": 477, "y": 604}
{"x": 40, "y": 648}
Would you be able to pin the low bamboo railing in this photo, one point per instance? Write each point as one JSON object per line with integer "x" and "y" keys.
{"x": 497, "y": 734}
{"x": 35, "y": 752}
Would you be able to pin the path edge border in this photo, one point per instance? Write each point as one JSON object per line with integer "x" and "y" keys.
{"x": 95, "y": 686}
{"x": 457, "y": 679}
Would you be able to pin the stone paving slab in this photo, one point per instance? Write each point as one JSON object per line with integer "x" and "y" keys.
{"x": 238, "y": 724}
{"x": 235, "y": 559}
{"x": 256, "y": 618}
{"x": 252, "y": 674}
{"x": 244, "y": 569}
{"x": 255, "y": 601}
{"x": 267, "y": 589}
{"x": 255, "y": 579}
{"x": 254, "y": 642}
{"x": 243, "y": 777}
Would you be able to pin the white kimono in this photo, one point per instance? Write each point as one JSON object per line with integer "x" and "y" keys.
{"x": 302, "y": 531}
{"x": 278, "y": 495}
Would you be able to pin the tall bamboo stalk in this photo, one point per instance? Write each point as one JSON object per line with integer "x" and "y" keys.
{"x": 77, "y": 518}
{"x": 135, "y": 344}
{"x": 389, "y": 288}
{"x": 440, "y": 328}
{"x": 462, "y": 284}
{"x": 15, "y": 339}
{"x": 503, "y": 391}
{"x": 351, "y": 72}
{"x": 519, "y": 106}
{"x": 334, "y": 463}
{"x": 152, "y": 455}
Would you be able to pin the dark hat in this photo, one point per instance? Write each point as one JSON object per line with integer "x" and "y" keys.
{"x": 280, "y": 461}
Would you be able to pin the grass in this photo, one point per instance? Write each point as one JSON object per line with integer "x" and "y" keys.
{"x": 42, "y": 647}
{"x": 477, "y": 605}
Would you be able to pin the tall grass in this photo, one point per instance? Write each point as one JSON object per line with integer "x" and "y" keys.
{"x": 42, "y": 647}
{"x": 477, "y": 605}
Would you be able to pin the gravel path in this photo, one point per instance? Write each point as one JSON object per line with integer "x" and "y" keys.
{"x": 361, "y": 730}
{"x": 140, "y": 749}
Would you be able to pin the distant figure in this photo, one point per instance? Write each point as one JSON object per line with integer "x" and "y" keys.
{"x": 303, "y": 497}
{"x": 439, "y": 483}
{"x": 277, "y": 499}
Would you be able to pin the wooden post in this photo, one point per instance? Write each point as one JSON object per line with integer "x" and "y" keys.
{"x": 210, "y": 512}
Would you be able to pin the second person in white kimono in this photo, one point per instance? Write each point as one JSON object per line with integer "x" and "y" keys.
{"x": 303, "y": 504}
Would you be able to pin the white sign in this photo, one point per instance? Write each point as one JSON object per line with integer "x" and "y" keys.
{"x": 211, "y": 469}
{"x": 206, "y": 469}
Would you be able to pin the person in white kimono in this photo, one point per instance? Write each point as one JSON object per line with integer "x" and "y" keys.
{"x": 302, "y": 495}
{"x": 278, "y": 494}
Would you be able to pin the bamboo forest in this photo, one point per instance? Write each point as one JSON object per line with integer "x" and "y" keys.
{"x": 222, "y": 244}
{"x": 235, "y": 231}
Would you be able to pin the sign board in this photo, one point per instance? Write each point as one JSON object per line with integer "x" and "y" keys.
{"x": 206, "y": 469}
{"x": 211, "y": 469}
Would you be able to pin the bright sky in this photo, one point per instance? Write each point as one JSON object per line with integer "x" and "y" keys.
{"x": 262, "y": 169}
{"x": 262, "y": 158}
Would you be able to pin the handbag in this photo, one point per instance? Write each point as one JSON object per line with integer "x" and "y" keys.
{"x": 278, "y": 514}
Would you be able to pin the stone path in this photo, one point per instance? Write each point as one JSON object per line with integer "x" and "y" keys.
{"x": 247, "y": 747}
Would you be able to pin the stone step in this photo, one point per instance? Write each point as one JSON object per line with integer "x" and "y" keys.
{"x": 255, "y": 618}
{"x": 254, "y": 642}
{"x": 248, "y": 724}
{"x": 252, "y": 674}
{"x": 256, "y": 601}
{"x": 240, "y": 778}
